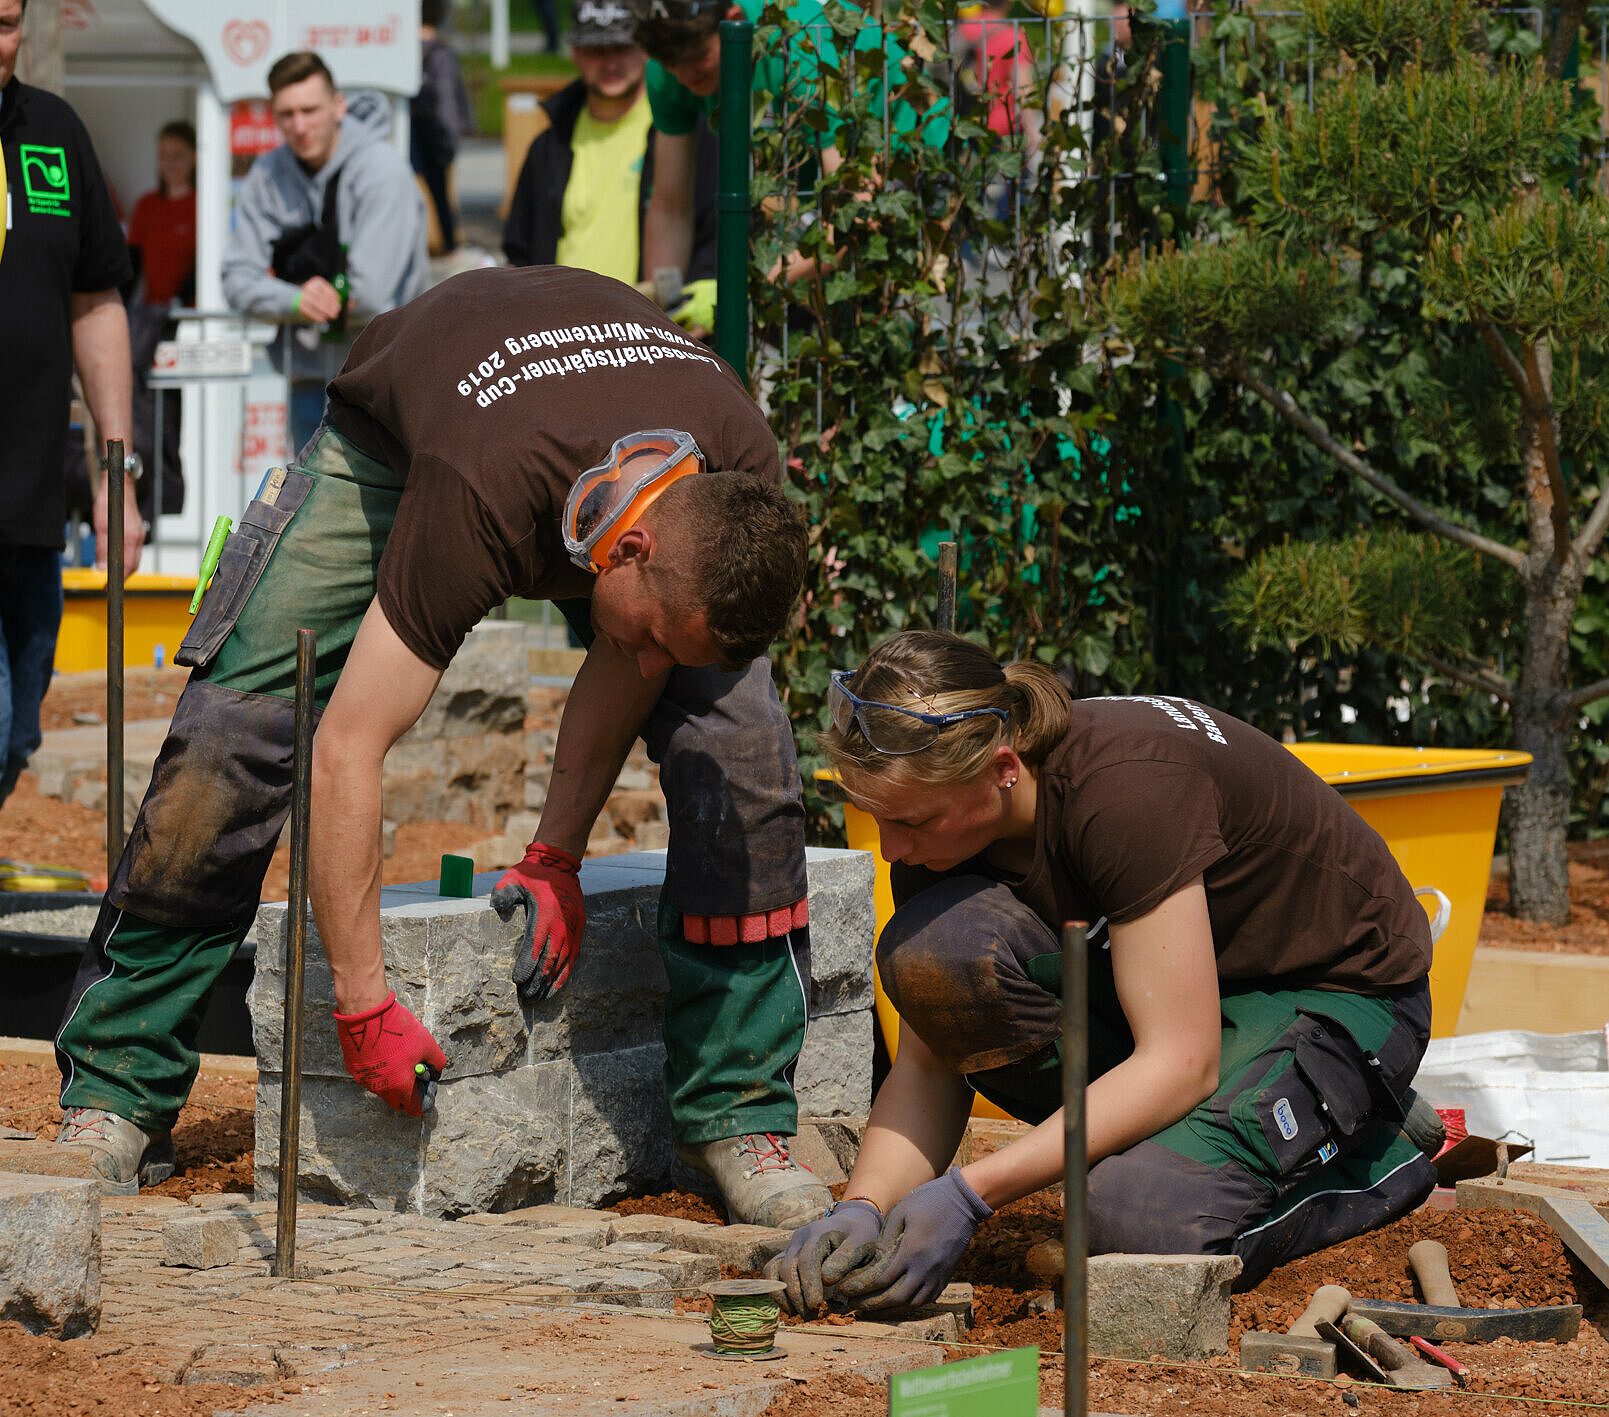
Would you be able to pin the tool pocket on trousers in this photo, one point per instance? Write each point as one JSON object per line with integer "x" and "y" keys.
{"x": 1320, "y": 1100}
{"x": 240, "y": 567}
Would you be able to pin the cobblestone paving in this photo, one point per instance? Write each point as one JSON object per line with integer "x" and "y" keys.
{"x": 549, "y": 1309}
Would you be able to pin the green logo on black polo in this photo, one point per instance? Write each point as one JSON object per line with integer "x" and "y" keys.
{"x": 44, "y": 179}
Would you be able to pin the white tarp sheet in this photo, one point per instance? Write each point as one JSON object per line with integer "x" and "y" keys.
{"x": 1550, "y": 1089}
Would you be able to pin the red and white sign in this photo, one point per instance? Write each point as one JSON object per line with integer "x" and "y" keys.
{"x": 262, "y": 439}
{"x": 326, "y": 37}
{"x": 175, "y": 361}
{"x": 368, "y": 44}
{"x": 252, "y": 131}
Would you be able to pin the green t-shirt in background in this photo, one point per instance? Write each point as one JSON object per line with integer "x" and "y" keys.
{"x": 793, "y": 76}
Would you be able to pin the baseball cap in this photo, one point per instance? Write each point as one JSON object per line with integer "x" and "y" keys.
{"x": 601, "y": 22}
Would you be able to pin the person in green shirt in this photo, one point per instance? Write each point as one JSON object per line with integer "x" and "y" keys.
{"x": 682, "y": 40}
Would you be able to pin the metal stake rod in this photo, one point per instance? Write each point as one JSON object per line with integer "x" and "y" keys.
{"x": 732, "y": 201}
{"x": 946, "y": 615}
{"x": 290, "y": 1075}
{"x": 112, "y": 480}
{"x": 1075, "y": 1190}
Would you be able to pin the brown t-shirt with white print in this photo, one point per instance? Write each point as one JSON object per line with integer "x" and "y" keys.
{"x": 491, "y": 393}
{"x": 1144, "y": 794}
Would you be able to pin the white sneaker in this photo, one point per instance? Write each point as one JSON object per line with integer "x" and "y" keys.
{"x": 759, "y": 1181}
{"x": 123, "y": 1155}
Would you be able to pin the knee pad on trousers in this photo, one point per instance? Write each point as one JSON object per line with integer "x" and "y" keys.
{"x": 953, "y": 963}
{"x": 219, "y": 797}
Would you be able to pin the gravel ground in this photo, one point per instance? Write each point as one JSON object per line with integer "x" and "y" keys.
{"x": 73, "y": 921}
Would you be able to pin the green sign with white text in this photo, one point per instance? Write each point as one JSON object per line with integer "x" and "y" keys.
{"x": 999, "y": 1385}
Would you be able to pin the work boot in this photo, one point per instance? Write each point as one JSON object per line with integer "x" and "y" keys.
{"x": 1422, "y": 1125}
{"x": 124, "y": 1156}
{"x": 760, "y": 1183}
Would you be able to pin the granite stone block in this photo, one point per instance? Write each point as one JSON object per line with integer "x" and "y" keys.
{"x": 1173, "y": 1305}
{"x": 834, "y": 1076}
{"x": 50, "y": 1254}
{"x": 563, "y": 1102}
{"x": 201, "y": 1241}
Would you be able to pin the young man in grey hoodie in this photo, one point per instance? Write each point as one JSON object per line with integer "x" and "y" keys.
{"x": 377, "y": 245}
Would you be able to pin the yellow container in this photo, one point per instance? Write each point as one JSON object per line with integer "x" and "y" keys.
{"x": 156, "y": 616}
{"x": 1435, "y": 807}
{"x": 1437, "y": 810}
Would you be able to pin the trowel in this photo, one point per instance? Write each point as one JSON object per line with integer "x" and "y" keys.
{"x": 1368, "y": 1349}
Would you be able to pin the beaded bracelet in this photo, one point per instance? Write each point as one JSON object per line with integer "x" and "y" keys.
{"x": 866, "y": 1199}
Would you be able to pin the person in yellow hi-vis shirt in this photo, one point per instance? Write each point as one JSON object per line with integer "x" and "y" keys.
{"x": 584, "y": 188}
{"x": 64, "y": 259}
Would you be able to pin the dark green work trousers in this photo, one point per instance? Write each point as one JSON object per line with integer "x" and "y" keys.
{"x": 1297, "y": 1148}
{"x": 186, "y": 889}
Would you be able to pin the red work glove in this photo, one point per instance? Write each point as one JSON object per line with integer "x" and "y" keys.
{"x": 548, "y": 884}
{"x": 380, "y": 1049}
{"x": 745, "y": 929}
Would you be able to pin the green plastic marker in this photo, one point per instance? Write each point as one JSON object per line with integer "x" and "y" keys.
{"x": 209, "y": 562}
{"x": 457, "y": 877}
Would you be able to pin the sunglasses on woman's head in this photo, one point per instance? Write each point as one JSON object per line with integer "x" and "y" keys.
{"x": 909, "y": 732}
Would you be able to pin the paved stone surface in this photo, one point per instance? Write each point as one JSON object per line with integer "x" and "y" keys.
{"x": 562, "y": 1102}
{"x": 50, "y": 1254}
{"x": 552, "y": 1309}
{"x": 1173, "y": 1305}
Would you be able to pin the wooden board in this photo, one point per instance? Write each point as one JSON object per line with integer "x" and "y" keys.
{"x": 1589, "y": 1182}
{"x": 1542, "y": 993}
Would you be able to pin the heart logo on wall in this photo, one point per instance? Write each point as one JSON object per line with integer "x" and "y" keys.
{"x": 246, "y": 41}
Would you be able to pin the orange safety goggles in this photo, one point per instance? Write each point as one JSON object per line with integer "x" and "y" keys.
{"x": 608, "y": 499}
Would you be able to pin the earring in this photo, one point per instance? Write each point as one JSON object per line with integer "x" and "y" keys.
{"x": 1011, "y": 782}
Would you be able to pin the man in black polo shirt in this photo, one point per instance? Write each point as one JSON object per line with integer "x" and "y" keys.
{"x": 62, "y": 259}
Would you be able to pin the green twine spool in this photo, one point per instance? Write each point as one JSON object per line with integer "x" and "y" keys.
{"x": 743, "y": 1317}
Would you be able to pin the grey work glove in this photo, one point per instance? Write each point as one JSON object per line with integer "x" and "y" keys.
{"x": 822, "y": 1252}
{"x": 919, "y": 1248}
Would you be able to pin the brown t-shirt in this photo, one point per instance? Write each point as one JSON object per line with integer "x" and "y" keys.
{"x": 1145, "y": 794}
{"x": 491, "y": 393}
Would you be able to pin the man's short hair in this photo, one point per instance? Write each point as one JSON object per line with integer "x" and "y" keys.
{"x": 672, "y": 30}
{"x": 292, "y": 68}
{"x": 433, "y": 12}
{"x": 738, "y": 548}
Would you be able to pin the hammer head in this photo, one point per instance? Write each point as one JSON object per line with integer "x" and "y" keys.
{"x": 1287, "y": 1353}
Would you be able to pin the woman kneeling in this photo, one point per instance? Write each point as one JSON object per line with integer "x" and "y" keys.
{"x": 1257, "y": 977}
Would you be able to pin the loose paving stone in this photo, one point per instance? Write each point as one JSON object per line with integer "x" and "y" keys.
{"x": 201, "y": 1241}
{"x": 923, "y": 1326}
{"x": 238, "y": 1364}
{"x": 1173, "y": 1305}
{"x": 685, "y": 1268}
{"x": 666, "y": 1229}
{"x": 45, "y": 1158}
{"x": 50, "y": 1254}
{"x": 741, "y": 1246}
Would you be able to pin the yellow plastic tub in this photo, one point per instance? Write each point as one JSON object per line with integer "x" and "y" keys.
{"x": 156, "y": 616}
{"x": 1435, "y": 807}
{"x": 1437, "y": 810}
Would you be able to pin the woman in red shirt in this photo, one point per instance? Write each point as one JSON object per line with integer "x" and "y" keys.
{"x": 162, "y": 241}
